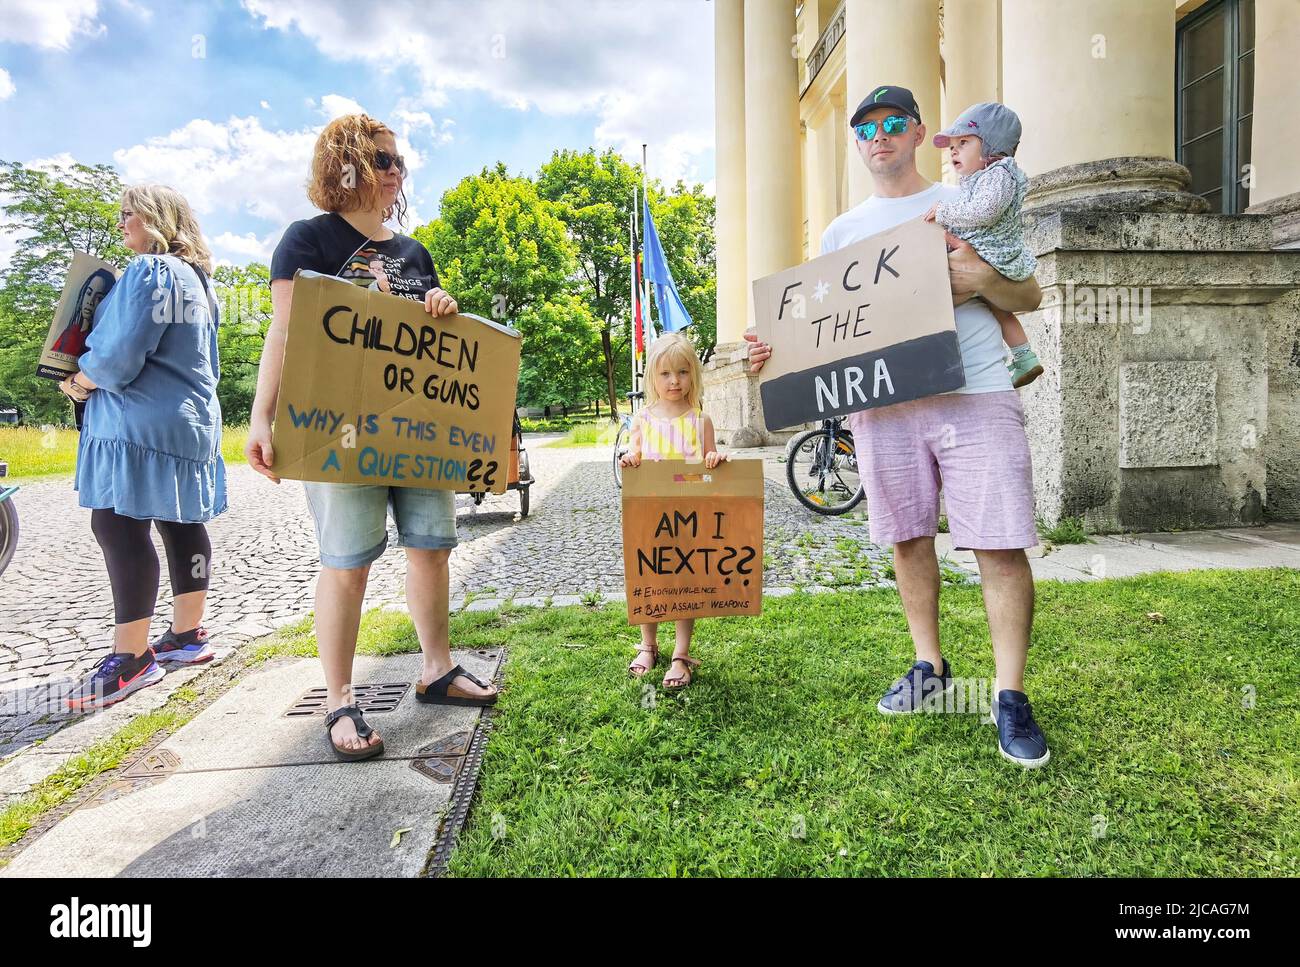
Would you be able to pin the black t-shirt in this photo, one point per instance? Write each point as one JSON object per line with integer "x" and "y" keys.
{"x": 328, "y": 244}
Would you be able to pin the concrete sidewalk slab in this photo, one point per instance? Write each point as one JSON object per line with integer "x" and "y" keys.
{"x": 1128, "y": 555}
{"x": 244, "y": 790}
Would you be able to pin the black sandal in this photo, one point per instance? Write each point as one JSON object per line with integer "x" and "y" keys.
{"x": 364, "y": 731}
{"x": 435, "y": 693}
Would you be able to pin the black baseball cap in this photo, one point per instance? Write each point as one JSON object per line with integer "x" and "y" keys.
{"x": 886, "y": 95}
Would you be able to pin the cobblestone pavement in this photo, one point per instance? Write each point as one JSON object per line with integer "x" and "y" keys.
{"x": 56, "y": 608}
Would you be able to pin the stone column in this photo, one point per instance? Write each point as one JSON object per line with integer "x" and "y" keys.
{"x": 1275, "y": 139}
{"x": 765, "y": 162}
{"x": 972, "y": 55}
{"x": 773, "y": 206}
{"x": 893, "y": 42}
{"x": 729, "y": 121}
{"x": 1103, "y": 137}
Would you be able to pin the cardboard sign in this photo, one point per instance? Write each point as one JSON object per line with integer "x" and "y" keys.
{"x": 869, "y": 325}
{"x": 374, "y": 390}
{"x": 692, "y": 539}
{"x": 89, "y": 280}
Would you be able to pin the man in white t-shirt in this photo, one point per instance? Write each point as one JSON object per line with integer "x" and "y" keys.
{"x": 971, "y": 442}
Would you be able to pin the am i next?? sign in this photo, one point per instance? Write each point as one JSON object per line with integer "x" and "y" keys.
{"x": 375, "y": 390}
{"x": 869, "y": 325}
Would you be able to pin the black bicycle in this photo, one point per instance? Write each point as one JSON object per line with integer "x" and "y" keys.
{"x": 821, "y": 467}
{"x": 8, "y": 525}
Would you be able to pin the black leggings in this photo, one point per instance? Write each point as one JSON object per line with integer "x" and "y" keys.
{"x": 133, "y": 563}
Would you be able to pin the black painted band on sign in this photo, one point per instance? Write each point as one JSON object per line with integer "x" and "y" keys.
{"x": 925, "y": 366}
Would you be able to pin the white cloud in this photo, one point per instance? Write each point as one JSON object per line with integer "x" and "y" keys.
{"x": 49, "y": 23}
{"x": 645, "y": 72}
{"x": 230, "y": 168}
{"x": 265, "y": 106}
{"x": 6, "y": 85}
{"x": 336, "y": 106}
{"x": 232, "y": 249}
{"x": 238, "y": 167}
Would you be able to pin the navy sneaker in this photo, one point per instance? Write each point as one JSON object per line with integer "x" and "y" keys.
{"x": 190, "y": 648}
{"x": 116, "y": 676}
{"x": 1020, "y": 740}
{"x": 916, "y": 690}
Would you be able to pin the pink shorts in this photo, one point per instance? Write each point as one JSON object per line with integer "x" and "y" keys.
{"x": 972, "y": 446}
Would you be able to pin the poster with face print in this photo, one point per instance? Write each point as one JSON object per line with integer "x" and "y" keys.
{"x": 89, "y": 280}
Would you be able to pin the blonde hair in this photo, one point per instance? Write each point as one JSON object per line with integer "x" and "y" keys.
{"x": 671, "y": 349}
{"x": 347, "y": 145}
{"x": 169, "y": 223}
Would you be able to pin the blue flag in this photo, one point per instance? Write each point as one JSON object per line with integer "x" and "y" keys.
{"x": 672, "y": 314}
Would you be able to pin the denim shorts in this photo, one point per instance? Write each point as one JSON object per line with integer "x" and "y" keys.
{"x": 352, "y": 520}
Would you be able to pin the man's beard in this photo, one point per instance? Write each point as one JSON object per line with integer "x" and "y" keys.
{"x": 890, "y": 167}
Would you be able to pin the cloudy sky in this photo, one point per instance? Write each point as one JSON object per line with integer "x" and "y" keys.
{"x": 223, "y": 99}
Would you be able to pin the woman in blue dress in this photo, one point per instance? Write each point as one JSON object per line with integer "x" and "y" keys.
{"x": 150, "y": 449}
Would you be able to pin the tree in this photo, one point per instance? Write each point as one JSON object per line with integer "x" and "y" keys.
{"x": 563, "y": 362}
{"x": 498, "y": 247}
{"x": 59, "y": 209}
{"x": 594, "y": 195}
{"x": 244, "y": 297}
{"x": 503, "y": 252}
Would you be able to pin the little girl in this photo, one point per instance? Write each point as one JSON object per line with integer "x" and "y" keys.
{"x": 982, "y": 142}
{"x": 671, "y": 426}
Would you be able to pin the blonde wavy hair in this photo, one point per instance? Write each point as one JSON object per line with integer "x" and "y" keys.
{"x": 350, "y": 140}
{"x": 670, "y": 350}
{"x": 169, "y": 223}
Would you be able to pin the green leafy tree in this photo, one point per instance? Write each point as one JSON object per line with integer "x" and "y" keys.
{"x": 502, "y": 251}
{"x": 55, "y": 211}
{"x": 244, "y": 297}
{"x": 562, "y": 363}
{"x": 595, "y": 195}
{"x": 499, "y": 248}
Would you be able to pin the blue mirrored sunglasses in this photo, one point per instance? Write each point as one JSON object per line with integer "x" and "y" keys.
{"x": 894, "y": 124}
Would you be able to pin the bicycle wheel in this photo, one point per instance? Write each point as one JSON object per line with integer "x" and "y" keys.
{"x": 824, "y": 483}
{"x": 621, "y": 443}
{"x": 8, "y": 532}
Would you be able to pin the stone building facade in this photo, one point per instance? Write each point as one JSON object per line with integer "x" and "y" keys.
{"x": 1164, "y": 209}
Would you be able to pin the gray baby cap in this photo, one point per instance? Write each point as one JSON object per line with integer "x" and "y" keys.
{"x": 995, "y": 124}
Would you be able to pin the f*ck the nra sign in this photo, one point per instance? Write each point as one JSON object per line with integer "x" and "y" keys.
{"x": 869, "y": 325}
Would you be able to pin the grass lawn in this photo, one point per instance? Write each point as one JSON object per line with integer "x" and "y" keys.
{"x": 33, "y": 452}
{"x": 775, "y": 762}
{"x": 595, "y": 434}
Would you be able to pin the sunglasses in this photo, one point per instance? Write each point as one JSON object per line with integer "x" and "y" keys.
{"x": 123, "y": 215}
{"x": 384, "y": 161}
{"x": 894, "y": 124}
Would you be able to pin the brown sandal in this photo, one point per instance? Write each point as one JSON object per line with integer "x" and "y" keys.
{"x": 690, "y": 663}
{"x": 638, "y": 671}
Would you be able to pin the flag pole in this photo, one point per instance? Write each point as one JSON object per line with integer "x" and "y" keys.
{"x": 645, "y": 298}
{"x": 631, "y": 247}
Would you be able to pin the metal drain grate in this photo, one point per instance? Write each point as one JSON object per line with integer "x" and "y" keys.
{"x": 439, "y": 770}
{"x": 455, "y": 744}
{"x": 382, "y": 697}
{"x": 160, "y": 762}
